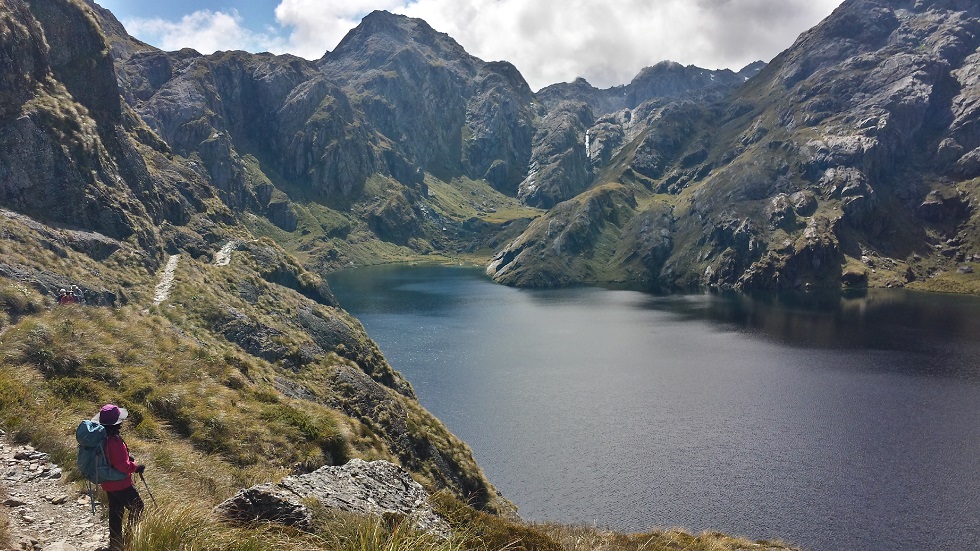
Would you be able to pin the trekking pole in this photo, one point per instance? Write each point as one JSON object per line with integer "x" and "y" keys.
{"x": 148, "y": 492}
{"x": 91, "y": 496}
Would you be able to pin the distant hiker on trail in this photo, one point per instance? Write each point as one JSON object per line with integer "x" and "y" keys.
{"x": 65, "y": 298}
{"x": 122, "y": 494}
{"x": 77, "y": 294}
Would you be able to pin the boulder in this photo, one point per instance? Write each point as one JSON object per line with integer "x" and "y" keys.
{"x": 360, "y": 487}
{"x": 269, "y": 502}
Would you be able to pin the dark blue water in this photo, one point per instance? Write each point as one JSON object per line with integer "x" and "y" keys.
{"x": 831, "y": 423}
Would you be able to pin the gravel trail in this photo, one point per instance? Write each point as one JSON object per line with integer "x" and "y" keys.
{"x": 162, "y": 291}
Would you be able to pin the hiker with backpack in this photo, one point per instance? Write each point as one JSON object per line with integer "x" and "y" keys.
{"x": 104, "y": 459}
{"x": 65, "y": 298}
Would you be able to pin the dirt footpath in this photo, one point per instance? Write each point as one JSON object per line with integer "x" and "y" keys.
{"x": 45, "y": 511}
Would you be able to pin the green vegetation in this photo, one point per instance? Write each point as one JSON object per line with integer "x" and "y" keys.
{"x": 5, "y": 535}
{"x": 463, "y": 199}
{"x": 439, "y": 225}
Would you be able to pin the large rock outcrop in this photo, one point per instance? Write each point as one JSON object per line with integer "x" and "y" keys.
{"x": 367, "y": 488}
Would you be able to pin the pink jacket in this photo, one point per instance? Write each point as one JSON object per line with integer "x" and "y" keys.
{"x": 117, "y": 453}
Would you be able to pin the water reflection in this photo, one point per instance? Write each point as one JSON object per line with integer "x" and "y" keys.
{"x": 880, "y": 319}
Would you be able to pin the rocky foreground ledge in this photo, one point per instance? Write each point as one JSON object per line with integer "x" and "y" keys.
{"x": 360, "y": 487}
{"x": 43, "y": 511}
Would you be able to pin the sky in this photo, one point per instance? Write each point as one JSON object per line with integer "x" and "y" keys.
{"x": 607, "y": 42}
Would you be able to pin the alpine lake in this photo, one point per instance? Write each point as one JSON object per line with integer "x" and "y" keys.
{"x": 831, "y": 422}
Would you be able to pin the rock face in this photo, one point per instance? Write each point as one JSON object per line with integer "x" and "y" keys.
{"x": 560, "y": 167}
{"x": 361, "y": 110}
{"x": 584, "y": 127}
{"x": 375, "y": 488}
{"x": 665, "y": 80}
{"x": 71, "y": 151}
{"x": 444, "y": 110}
{"x": 859, "y": 141}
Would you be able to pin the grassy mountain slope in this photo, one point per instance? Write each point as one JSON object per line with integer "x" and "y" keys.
{"x": 229, "y": 383}
{"x": 250, "y": 362}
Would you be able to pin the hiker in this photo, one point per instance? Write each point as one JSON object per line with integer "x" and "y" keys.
{"x": 122, "y": 494}
{"x": 65, "y": 298}
{"x": 77, "y": 294}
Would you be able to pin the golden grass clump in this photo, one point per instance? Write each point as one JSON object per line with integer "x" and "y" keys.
{"x": 183, "y": 526}
{"x": 591, "y": 538}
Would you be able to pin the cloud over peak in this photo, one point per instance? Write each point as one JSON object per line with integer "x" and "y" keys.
{"x": 605, "y": 42}
{"x": 205, "y": 31}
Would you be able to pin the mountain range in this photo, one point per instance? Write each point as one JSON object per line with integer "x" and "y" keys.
{"x": 849, "y": 160}
{"x": 852, "y": 159}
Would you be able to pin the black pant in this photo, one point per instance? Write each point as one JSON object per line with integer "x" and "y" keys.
{"x": 119, "y": 501}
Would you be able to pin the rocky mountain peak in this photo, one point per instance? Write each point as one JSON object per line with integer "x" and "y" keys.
{"x": 751, "y": 69}
{"x": 669, "y": 79}
{"x": 410, "y": 81}
{"x": 382, "y": 34}
{"x": 121, "y": 43}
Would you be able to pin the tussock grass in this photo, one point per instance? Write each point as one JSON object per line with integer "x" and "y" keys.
{"x": 69, "y": 360}
{"x": 463, "y": 198}
{"x": 486, "y": 531}
{"x": 589, "y": 538}
{"x": 342, "y": 532}
{"x": 192, "y": 527}
{"x": 18, "y": 300}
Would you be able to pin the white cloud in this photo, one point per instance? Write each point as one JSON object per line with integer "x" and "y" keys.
{"x": 609, "y": 42}
{"x": 317, "y": 26}
{"x": 206, "y": 31}
{"x": 548, "y": 40}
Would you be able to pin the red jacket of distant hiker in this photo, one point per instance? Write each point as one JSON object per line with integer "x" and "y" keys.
{"x": 118, "y": 455}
